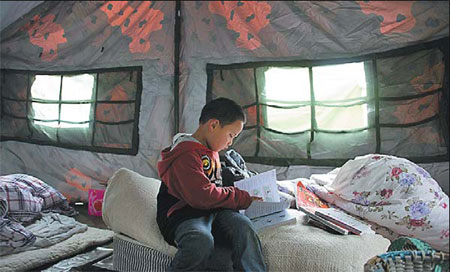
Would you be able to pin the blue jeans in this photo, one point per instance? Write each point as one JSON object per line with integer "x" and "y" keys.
{"x": 195, "y": 242}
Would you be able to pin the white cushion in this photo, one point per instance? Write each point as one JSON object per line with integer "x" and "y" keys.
{"x": 129, "y": 207}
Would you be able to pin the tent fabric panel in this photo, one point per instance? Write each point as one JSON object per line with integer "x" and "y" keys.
{"x": 117, "y": 86}
{"x": 313, "y": 30}
{"x": 115, "y": 113}
{"x": 246, "y": 142}
{"x": 43, "y": 134}
{"x": 250, "y": 113}
{"x": 282, "y": 146}
{"x": 330, "y": 146}
{"x": 413, "y": 74}
{"x": 13, "y": 127}
{"x": 15, "y": 108}
{"x": 235, "y": 84}
{"x": 14, "y": 85}
{"x": 11, "y": 11}
{"x": 80, "y": 137}
{"x": 409, "y": 111}
{"x": 118, "y": 136}
{"x": 91, "y": 33}
{"x": 417, "y": 141}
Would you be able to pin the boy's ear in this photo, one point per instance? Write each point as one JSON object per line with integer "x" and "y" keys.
{"x": 214, "y": 123}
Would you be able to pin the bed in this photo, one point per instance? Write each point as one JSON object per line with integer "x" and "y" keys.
{"x": 289, "y": 247}
{"x": 37, "y": 226}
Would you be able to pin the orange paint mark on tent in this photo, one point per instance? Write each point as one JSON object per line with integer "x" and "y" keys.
{"x": 46, "y": 34}
{"x": 251, "y": 115}
{"x": 77, "y": 179}
{"x": 430, "y": 80}
{"x": 73, "y": 195}
{"x": 417, "y": 109}
{"x": 135, "y": 22}
{"x": 118, "y": 94}
{"x": 245, "y": 17}
{"x": 397, "y": 15}
{"x": 114, "y": 112}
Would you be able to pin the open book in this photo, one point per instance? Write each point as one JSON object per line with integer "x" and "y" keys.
{"x": 273, "y": 209}
{"x": 321, "y": 214}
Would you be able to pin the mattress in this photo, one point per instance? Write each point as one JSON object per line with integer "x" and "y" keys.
{"x": 79, "y": 242}
{"x": 130, "y": 255}
{"x": 288, "y": 247}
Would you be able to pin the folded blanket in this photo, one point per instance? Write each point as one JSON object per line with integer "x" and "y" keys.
{"x": 22, "y": 199}
{"x": 51, "y": 229}
{"x": 14, "y": 236}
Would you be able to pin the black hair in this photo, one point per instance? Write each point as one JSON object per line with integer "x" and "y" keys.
{"x": 223, "y": 109}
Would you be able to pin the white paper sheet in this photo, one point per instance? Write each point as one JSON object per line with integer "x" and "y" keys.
{"x": 263, "y": 185}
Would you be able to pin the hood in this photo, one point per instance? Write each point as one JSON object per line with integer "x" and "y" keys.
{"x": 168, "y": 156}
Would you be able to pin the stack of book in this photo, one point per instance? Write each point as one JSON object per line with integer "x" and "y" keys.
{"x": 320, "y": 214}
{"x": 273, "y": 210}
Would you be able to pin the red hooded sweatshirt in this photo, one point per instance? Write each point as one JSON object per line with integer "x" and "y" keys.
{"x": 192, "y": 186}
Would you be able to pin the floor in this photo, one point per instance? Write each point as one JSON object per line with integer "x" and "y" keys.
{"x": 97, "y": 258}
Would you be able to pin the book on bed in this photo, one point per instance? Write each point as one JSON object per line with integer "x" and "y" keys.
{"x": 273, "y": 209}
{"x": 320, "y": 213}
{"x": 285, "y": 216}
{"x": 344, "y": 220}
{"x": 323, "y": 223}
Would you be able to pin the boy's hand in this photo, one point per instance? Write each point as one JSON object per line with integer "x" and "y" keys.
{"x": 256, "y": 198}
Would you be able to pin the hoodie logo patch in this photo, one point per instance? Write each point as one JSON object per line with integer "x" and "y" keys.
{"x": 210, "y": 169}
{"x": 206, "y": 162}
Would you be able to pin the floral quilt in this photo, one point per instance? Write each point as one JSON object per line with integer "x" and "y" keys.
{"x": 394, "y": 193}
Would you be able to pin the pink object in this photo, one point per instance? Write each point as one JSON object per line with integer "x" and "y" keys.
{"x": 95, "y": 202}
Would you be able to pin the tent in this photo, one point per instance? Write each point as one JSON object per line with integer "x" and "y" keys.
{"x": 152, "y": 65}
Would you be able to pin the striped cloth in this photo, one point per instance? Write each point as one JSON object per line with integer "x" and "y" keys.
{"x": 133, "y": 256}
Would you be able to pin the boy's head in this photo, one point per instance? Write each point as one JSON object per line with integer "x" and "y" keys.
{"x": 223, "y": 109}
{"x": 221, "y": 121}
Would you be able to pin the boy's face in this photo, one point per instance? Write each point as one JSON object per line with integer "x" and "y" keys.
{"x": 221, "y": 137}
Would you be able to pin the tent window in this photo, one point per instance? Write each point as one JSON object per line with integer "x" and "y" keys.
{"x": 70, "y": 100}
{"x": 95, "y": 110}
{"x": 325, "y": 112}
{"x": 340, "y": 97}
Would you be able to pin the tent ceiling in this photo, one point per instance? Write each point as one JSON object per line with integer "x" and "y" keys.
{"x": 10, "y": 11}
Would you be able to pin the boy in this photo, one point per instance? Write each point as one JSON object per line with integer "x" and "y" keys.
{"x": 193, "y": 207}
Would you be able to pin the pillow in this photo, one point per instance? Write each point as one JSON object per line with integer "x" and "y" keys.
{"x": 397, "y": 194}
{"x": 129, "y": 207}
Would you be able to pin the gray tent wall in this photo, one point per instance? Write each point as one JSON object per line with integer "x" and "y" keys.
{"x": 211, "y": 32}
